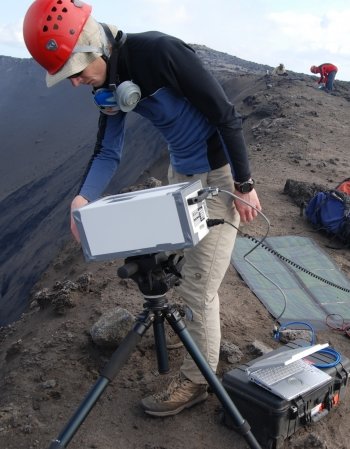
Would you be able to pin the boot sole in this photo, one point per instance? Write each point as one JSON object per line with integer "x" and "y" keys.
{"x": 199, "y": 399}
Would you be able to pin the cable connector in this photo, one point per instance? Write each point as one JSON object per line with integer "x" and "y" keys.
{"x": 202, "y": 194}
{"x": 212, "y": 191}
{"x": 214, "y": 222}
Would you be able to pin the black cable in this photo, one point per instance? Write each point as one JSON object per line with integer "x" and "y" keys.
{"x": 214, "y": 222}
{"x": 294, "y": 264}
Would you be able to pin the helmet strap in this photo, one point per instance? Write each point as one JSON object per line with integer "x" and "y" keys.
{"x": 116, "y": 42}
{"x": 127, "y": 94}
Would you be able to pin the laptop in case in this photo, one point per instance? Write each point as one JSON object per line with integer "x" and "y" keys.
{"x": 287, "y": 374}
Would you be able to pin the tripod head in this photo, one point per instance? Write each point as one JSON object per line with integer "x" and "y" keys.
{"x": 154, "y": 273}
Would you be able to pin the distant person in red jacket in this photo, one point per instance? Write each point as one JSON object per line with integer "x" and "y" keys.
{"x": 327, "y": 72}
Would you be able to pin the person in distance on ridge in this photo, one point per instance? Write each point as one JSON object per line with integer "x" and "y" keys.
{"x": 327, "y": 73}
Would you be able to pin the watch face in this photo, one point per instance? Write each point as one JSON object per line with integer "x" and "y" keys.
{"x": 246, "y": 187}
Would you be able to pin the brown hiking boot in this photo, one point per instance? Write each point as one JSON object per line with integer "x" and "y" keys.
{"x": 181, "y": 393}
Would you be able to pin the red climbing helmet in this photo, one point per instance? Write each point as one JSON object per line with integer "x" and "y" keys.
{"x": 51, "y": 29}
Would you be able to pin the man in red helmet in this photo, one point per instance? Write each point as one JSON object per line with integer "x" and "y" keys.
{"x": 327, "y": 72}
{"x": 171, "y": 88}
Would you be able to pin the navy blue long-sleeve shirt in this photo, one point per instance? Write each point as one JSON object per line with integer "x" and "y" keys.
{"x": 183, "y": 101}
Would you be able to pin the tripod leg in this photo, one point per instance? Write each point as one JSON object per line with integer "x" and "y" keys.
{"x": 160, "y": 343}
{"x": 177, "y": 323}
{"x": 118, "y": 359}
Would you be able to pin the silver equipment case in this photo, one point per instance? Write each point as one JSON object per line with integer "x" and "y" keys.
{"x": 142, "y": 222}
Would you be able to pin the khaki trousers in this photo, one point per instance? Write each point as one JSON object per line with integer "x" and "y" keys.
{"x": 204, "y": 269}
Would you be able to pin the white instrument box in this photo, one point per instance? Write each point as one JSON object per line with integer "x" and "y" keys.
{"x": 142, "y": 222}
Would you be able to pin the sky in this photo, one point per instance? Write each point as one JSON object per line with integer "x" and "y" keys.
{"x": 297, "y": 33}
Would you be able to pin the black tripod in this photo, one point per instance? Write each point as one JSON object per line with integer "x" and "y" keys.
{"x": 155, "y": 274}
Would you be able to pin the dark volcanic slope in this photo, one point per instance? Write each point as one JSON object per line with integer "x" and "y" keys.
{"x": 47, "y": 137}
{"x": 32, "y": 232}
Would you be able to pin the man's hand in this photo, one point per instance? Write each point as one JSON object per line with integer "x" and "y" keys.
{"x": 79, "y": 201}
{"x": 246, "y": 212}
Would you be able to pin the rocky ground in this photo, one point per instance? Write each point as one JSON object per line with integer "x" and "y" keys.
{"x": 49, "y": 361}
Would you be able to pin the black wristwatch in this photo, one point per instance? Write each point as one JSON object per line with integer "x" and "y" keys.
{"x": 246, "y": 186}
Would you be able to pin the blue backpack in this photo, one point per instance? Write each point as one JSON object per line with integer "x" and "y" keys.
{"x": 329, "y": 211}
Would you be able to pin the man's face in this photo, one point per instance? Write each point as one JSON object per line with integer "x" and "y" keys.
{"x": 93, "y": 75}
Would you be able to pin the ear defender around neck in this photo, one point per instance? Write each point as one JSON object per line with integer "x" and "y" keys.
{"x": 119, "y": 96}
{"x": 123, "y": 97}
{"x": 128, "y": 94}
